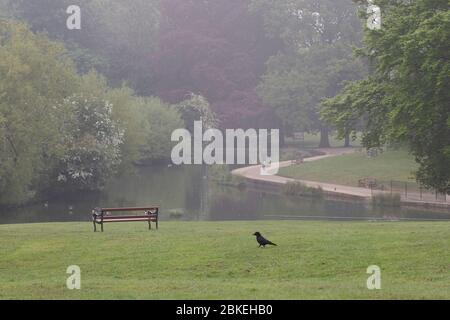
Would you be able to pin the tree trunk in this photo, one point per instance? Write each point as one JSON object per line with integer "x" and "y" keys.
{"x": 282, "y": 137}
{"x": 324, "y": 138}
{"x": 347, "y": 140}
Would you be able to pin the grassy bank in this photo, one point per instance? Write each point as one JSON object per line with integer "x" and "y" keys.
{"x": 313, "y": 141}
{"x": 208, "y": 260}
{"x": 391, "y": 165}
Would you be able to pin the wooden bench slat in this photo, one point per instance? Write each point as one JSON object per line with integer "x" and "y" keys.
{"x": 130, "y": 217}
{"x": 125, "y": 220}
{"x": 129, "y": 209}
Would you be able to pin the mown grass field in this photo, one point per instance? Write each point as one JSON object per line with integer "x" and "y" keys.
{"x": 313, "y": 141}
{"x": 391, "y": 165}
{"x": 220, "y": 260}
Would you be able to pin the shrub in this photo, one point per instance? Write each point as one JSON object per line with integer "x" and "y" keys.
{"x": 93, "y": 144}
{"x": 222, "y": 175}
{"x": 386, "y": 200}
{"x": 296, "y": 189}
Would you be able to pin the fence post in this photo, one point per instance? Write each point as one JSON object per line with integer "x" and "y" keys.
{"x": 406, "y": 190}
{"x": 391, "y": 187}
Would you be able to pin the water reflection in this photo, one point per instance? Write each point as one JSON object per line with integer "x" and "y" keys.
{"x": 178, "y": 190}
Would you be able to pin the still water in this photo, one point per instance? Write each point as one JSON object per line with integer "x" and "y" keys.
{"x": 183, "y": 194}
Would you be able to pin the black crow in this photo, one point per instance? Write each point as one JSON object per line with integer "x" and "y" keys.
{"x": 263, "y": 241}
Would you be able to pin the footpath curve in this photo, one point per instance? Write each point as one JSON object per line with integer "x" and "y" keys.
{"x": 253, "y": 173}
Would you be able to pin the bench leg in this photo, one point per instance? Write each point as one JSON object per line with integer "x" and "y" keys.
{"x": 156, "y": 224}
{"x": 149, "y": 225}
{"x": 102, "y": 226}
{"x": 95, "y": 227}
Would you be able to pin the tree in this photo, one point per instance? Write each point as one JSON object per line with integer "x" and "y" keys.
{"x": 116, "y": 37}
{"x": 406, "y": 97}
{"x": 197, "y": 108}
{"x": 60, "y": 131}
{"x": 35, "y": 74}
{"x": 5, "y": 11}
{"x": 303, "y": 23}
{"x": 92, "y": 139}
{"x": 160, "y": 120}
{"x": 316, "y": 59}
{"x": 216, "y": 49}
{"x": 147, "y": 122}
{"x": 126, "y": 35}
{"x": 295, "y": 85}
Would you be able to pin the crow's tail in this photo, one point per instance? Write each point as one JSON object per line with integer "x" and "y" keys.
{"x": 273, "y": 244}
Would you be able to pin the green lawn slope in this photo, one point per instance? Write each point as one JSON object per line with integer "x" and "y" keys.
{"x": 348, "y": 169}
{"x": 220, "y": 260}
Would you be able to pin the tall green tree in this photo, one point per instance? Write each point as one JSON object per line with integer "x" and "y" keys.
{"x": 295, "y": 85}
{"x": 159, "y": 121}
{"x": 147, "y": 122}
{"x": 35, "y": 74}
{"x": 303, "y": 23}
{"x": 406, "y": 98}
{"x": 316, "y": 60}
{"x": 92, "y": 142}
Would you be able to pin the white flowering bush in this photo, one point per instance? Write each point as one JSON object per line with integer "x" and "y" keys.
{"x": 93, "y": 143}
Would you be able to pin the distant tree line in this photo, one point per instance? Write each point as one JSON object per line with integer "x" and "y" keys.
{"x": 260, "y": 63}
{"x": 78, "y": 106}
{"x": 61, "y": 131}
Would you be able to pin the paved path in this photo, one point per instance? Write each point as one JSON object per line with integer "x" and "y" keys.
{"x": 254, "y": 173}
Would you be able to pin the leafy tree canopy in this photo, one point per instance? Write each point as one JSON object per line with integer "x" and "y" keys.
{"x": 60, "y": 131}
{"x": 316, "y": 59}
{"x": 116, "y": 37}
{"x": 216, "y": 49}
{"x": 407, "y": 96}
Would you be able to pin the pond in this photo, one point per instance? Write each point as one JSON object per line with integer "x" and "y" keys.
{"x": 183, "y": 194}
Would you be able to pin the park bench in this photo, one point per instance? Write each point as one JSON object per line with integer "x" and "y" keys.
{"x": 369, "y": 183}
{"x": 103, "y": 215}
{"x": 299, "y": 160}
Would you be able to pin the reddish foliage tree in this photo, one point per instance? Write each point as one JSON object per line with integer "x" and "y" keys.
{"x": 215, "y": 48}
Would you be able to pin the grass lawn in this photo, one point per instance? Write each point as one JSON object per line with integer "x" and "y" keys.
{"x": 313, "y": 141}
{"x": 348, "y": 169}
{"x": 220, "y": 260}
